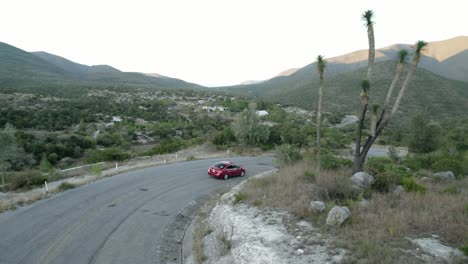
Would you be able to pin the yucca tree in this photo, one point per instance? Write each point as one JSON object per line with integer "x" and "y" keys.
{"x": 360, "y": 156}
{"x": 367, "y": 17}
{"x": 365, "y": 88}
{"x": 321, "y": 65}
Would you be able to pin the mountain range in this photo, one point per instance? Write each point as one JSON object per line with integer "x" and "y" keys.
{"x": 19, "y": 68}
{"x": 440, "y": 85}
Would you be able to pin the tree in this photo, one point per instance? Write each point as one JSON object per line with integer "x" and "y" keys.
{"x": 247, "y": 127}
{"x": 425, "y": 135}
{"x": 8, "y": 149}
{"x": 321, "y": 64}
{"x": 377, "y": 127}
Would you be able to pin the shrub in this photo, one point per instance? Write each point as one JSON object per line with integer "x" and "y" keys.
{"x": 464, "y": 249}
{"x": 330, "y": 161}
{"x": 166, "y": 146}
{"x": 286, "y": 155}
{"x": 110, "y": 154}
{"x": 388, "y": 175}
{"x": 410, "y": 185}
{"x": 239, "y": 197}
{"x": 309, "y": 175}
{"x": 451, "y": 190}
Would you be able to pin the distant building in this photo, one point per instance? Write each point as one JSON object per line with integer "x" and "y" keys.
{"x": 116, "y": 119}
{"x": 214, "y": 108}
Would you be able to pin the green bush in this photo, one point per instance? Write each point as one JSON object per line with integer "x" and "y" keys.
{"x": 110, "y": 154}
{"x": 330, "y": 161}
{"x": 451, "y": 190}
{"x": 166, "y": 146}
{"x": 464, "y": 249}
{"x": 309, "y": 175}
{"x": 376, "y": 165}
{"x": 287, "y": 155}
{"x": 239, "y": 197}
{"x": 388, "y": 175}
{"x": 410, "y": 185}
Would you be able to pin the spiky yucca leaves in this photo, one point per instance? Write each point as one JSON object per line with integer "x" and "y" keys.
{"x": 365, "y": 88}
{"x": 321, "y": 65}
{"x": 367, "y": 17}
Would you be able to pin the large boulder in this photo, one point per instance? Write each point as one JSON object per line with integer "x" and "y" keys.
{"x": 338, "y": 215}
{"x": 361, "y": 181}
{"x": 444, "y": 176}
{"x": 317, "y": 206}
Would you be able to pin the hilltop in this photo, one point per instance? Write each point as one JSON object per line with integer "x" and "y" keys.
{"x": 19, "y": 68}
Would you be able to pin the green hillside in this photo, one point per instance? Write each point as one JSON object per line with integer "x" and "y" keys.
{"x": 437, "y": 95}
{"x": 21, "y": 69}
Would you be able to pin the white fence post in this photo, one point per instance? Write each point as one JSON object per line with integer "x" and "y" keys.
{"x": 116, "y": 166}
{"x": 227, "y": 151}
{"x": 46, "y": 187}
{"x": 176, "y": 156}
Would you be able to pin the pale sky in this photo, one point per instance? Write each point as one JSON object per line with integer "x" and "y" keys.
{"x": 219, "y": 42}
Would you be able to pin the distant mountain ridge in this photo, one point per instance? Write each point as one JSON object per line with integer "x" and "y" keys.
{"x": 20, "y": 68}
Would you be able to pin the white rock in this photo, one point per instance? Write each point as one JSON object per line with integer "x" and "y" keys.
{"x": 299, "y": 252}
{"x": 337, "y": 215}
{"x": 362, "y": 179}
{"x": 434, "y": 248}
{"x": 444, "y": 176}
{"x": 317, "y": 206}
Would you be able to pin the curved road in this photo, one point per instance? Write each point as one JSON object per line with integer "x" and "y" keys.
{"x": 114, "y": 220}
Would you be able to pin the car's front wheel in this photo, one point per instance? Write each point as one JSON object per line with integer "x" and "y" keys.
{"x": 242, "y": 174}
{"x": 226, "y": 176}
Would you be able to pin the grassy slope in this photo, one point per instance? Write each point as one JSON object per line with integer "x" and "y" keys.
{"x": 19, "y": 68}
{"x": 439, "y": 96}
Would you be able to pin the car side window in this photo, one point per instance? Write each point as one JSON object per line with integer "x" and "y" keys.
{"x": 230, "y": 167}
{"x": 234, "y": 167}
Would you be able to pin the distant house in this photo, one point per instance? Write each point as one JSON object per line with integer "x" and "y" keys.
{"x": 214, "y": 108}
{"x": 116, "y": 119}
{"x": 261, "y": 113}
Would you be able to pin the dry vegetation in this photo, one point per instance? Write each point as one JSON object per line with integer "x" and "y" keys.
{"x": 378, "y": 232}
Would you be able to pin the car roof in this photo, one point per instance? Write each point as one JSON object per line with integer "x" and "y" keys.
{"x": 225, "y": 162}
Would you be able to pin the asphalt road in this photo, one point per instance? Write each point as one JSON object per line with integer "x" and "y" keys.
{"x": 114, "y": 220}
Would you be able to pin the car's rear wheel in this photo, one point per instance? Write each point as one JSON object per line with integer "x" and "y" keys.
{"x": 242, "y": 174}
{"x": 226, "y": 176}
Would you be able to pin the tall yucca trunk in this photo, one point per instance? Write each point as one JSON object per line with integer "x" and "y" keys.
{"x": 320, "y": 67}
{"x": 375, "y": 109}
{"x": 409, "y": 77}
{"x": 371, "y": 60}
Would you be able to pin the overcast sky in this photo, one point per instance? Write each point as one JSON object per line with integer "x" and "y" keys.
{"x": 219, "y": 42}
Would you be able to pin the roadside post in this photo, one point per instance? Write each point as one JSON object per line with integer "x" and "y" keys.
{"x": 46, "y": 187}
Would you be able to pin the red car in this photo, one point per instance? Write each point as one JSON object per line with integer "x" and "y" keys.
{"x": 225, "y": 170}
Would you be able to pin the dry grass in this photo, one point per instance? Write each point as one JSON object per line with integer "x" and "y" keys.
{"x": 294, "y": 187}
{"x": 376, "y": 233}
